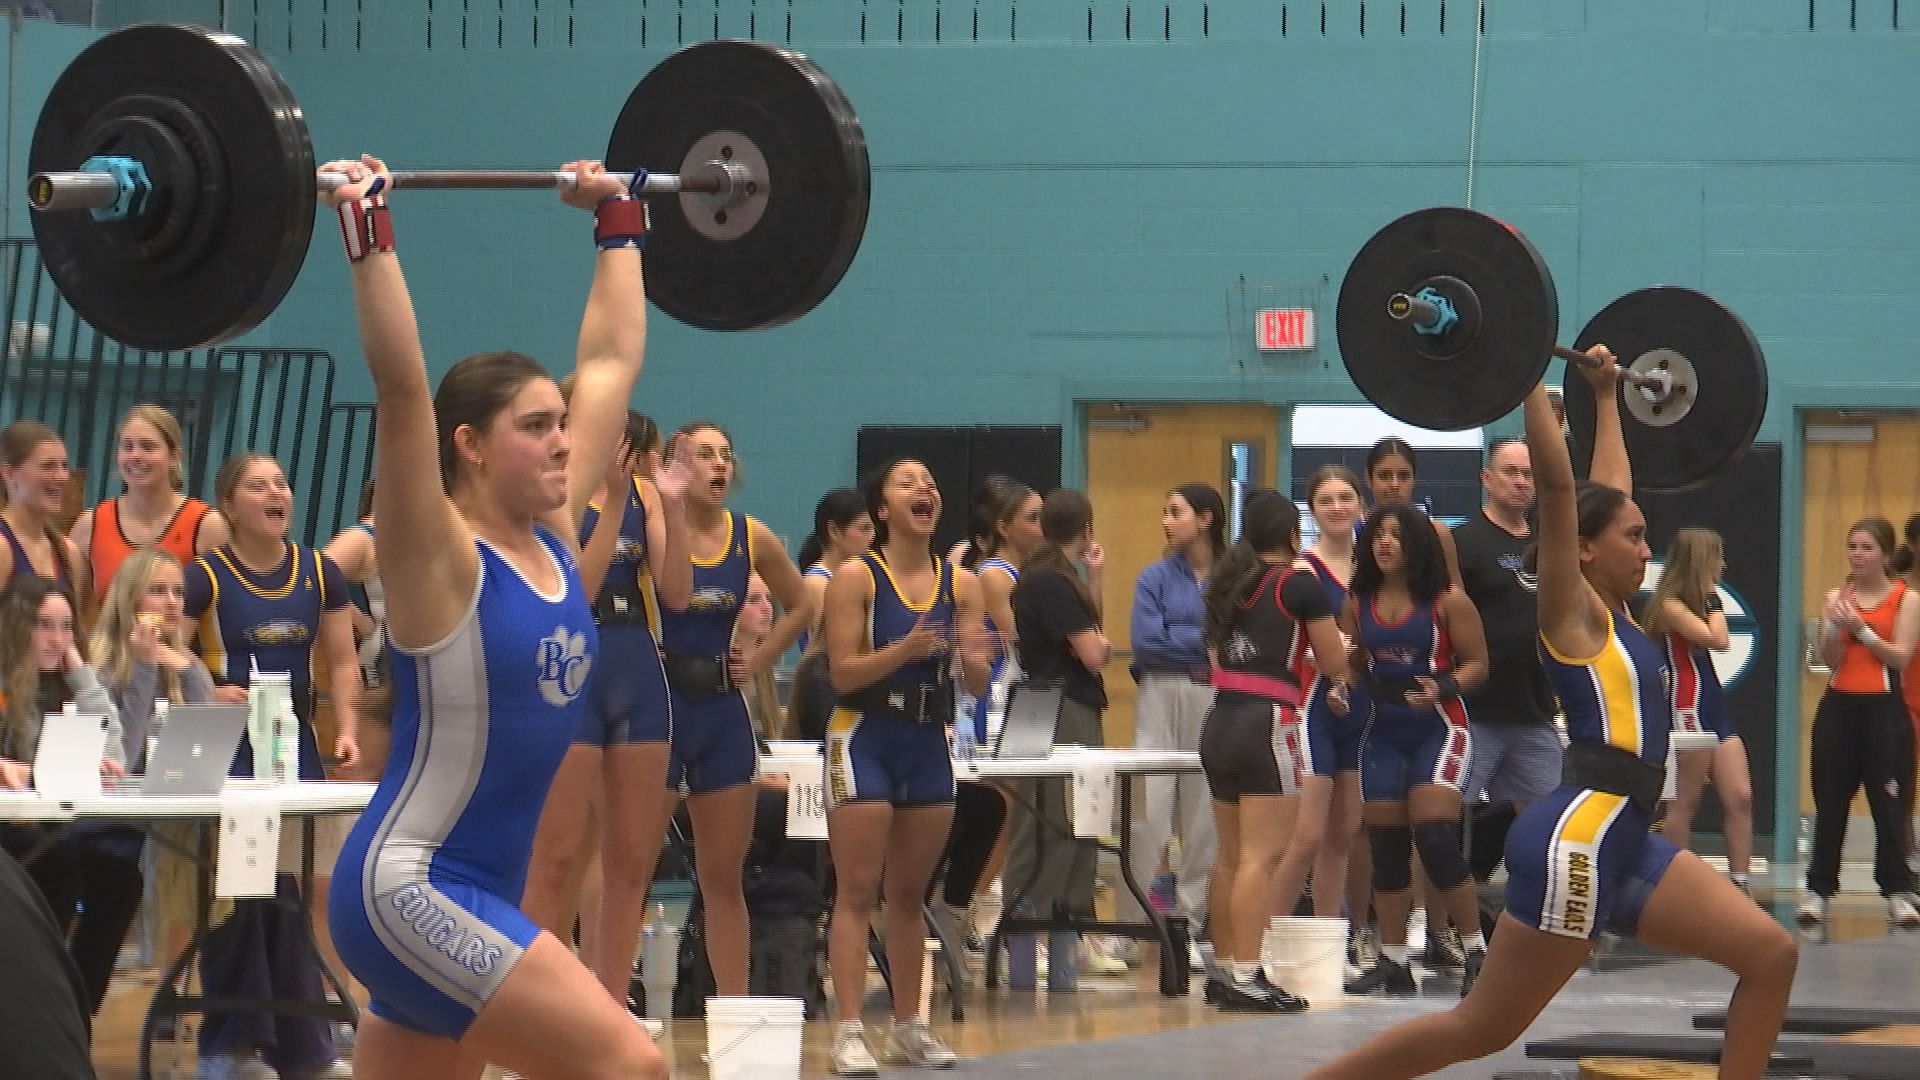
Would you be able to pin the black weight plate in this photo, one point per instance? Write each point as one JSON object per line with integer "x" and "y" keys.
{"x": 228, "y": 250}
{"x": 817, "y": 182}
{"x": 1488, "y": 367}
{"x": 1728, "y": 406}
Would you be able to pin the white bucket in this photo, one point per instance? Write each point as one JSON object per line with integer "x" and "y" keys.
{"x": 754, "y": 1038}
{"x": 1307, "y": 957}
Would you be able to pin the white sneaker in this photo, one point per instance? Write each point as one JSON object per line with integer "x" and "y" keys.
{"x": 1901, "y": 911}
{"x": 914, "y": 1043}
{"x": 1812, "y": 910}
{"x": 1097, "y": 956}
{"x": 851, "y": 1057}
{"x": 236, "y": 1065}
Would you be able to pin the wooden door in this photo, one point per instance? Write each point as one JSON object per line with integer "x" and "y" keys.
{"x": 1857, "y": 465}
{"x": 1135, "y": 455}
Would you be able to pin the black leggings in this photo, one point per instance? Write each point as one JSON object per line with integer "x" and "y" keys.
{"x": 93, "y": 890}
{"x": 1860, "y": 740}
{"x": 979, "y": 813}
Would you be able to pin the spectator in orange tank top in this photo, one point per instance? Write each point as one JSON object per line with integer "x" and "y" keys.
{"x": 1861, "y": 734}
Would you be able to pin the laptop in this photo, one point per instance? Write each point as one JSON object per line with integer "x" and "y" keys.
{"x": 194, "y": 750}
{"x": 66, "y": 761}
{"x": 1033, "y": 711}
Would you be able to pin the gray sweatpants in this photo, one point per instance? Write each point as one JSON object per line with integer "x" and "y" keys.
{"x": 1167, "y": 716}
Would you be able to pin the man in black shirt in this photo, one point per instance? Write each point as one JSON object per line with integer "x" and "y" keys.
{"x": 1516, "y": 751}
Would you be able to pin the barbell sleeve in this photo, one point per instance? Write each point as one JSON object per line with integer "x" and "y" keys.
{"x": 54, "y": 191}
{"x": 1645, "y": 380}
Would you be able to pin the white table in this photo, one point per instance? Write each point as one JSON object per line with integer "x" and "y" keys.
{"x": 803, "y": 763}
{"x": 305, "y": 801}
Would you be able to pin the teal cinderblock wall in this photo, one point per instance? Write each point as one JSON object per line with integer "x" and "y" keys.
{"x": 1085, "y": 200}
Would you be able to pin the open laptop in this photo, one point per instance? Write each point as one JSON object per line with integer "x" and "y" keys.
{"x": 194, "y": 750}
{"x": 1033, "y": 710}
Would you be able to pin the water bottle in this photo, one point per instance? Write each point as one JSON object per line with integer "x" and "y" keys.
{"x": 154, "y": 724}
{"x": 1805, "y": 843}
{"x": 659, "y": 962}
{"x": 963, "y": 742}
{"x": 272, "y": 728}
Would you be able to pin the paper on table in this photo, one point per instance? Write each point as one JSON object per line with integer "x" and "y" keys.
{"x": 1092, "y": 802}
{"x": 67, "y": 761}
{"x": 249, "y": 847}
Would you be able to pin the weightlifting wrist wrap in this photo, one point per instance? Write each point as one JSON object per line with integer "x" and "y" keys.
{"x": 366, "y": 226}
{"x": 1449, "y": 686}
{"x": 620, "y": 221}
{"x": 1713, "y": 603}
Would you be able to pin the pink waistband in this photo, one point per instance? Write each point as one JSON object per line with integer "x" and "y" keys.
{"x": 1280, "y": 690}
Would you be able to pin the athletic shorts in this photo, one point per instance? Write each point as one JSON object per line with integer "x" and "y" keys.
{"x": 1342, "y": 734}
{"x": 1715, "y": 717}
{"x": 886, "y": 759}
{"x": 712, "y": 740}
{"x": 1406, "y": 747}
{"x": 1513, "y": 764}
{"x": 1253, "y": 746}
{"x": 627, "y": 700}
{"x": 1581, "y": 861}
{"x": 431, "y": 951}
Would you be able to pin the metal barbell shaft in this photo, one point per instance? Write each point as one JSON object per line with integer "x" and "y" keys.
{"x": 51, "y": 191}
{"x": 1645, "y": 380}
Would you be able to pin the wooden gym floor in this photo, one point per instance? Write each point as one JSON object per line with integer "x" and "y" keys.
{"x": 1006, "y": 1023}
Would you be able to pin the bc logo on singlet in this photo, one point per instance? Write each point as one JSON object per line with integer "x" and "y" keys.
{"x": 443, "y": 932}
{"x": 563, "y": 664}
{"x": 1743, "y": 628}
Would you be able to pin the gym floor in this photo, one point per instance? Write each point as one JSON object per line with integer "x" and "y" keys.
{"x": 1120, "y": 1026}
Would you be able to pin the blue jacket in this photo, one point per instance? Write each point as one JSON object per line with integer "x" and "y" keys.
{"x": 1168, "y": 615}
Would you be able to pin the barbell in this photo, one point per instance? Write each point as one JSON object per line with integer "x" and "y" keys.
{"x": 173, "y": 184}
{"x": 1447, "y": 318}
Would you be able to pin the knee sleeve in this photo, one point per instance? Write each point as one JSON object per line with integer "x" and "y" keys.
{"x": 1490, "y": 826}
{"x": 1440, "y": 853}
{"x": 1392, "y": 847}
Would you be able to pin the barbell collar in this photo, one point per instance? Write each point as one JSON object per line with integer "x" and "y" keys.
{"x": 49, "y": 192}
{"x": 1657, "y": 385}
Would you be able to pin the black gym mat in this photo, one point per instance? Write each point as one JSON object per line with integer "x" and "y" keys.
{"x": 1821, "y": 1019}
{"x": 1854, "y": 1061}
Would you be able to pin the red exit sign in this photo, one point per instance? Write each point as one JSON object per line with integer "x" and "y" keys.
{"x": 1283, "y": 329}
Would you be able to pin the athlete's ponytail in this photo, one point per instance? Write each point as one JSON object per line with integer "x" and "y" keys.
{"x": 1270, "y": 525}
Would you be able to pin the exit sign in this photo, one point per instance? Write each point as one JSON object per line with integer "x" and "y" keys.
{"x": 1283, "y": 329}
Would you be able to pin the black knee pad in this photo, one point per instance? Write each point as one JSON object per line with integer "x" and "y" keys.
{"x": 1489, "y": 825}
{"x": 1392, "y": 847}
{"x": 1440, "y": 853}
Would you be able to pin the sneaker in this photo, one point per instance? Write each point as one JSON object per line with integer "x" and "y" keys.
{"x": 1812, "y": 910}
{"x": 1196, "y": 959}
{"x": 851, "y": 1057}
{"x": 1444, "y": 951}
{"x": 1395, "y": 980}
{"x": 1160, "y": 894}
{"x": 1470, "y": 971}
{"x": 1259, "y": 995}
{"x": 914, "y": 1043}
{"x": 1363, "y": 951}
{"x": 332, "y": 1070}
{"x": 236, "y": 1065}
{"x": 1901, "y": 911}
{"x": 1743, "y": 883}
{"x": 1099, "y": 955}
{"x": 1215, "y": 990}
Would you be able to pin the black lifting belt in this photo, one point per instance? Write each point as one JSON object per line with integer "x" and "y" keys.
{"x": 696, "y": 677}
{"x": 1616, "y": 771}
{"x": 924, "y": 703}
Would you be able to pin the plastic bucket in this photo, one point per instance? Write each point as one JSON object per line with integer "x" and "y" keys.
{"x": 754, "y": 1038}
{"x": 1306, "y": 956}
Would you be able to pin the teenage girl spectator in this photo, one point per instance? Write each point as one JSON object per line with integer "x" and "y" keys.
{"x": 1420, "y": 646}
{"x": 1861, "y": 735}
{"x": 89, "y": 882}
{"x": 139, "y": 647}
{"x": 33, "y": 468}
{"x": 353, "y": 552}
{"x": 841, "y": 531}
{"x": 712, "y": 745}
{"x": 1170, "y": 664}
{"x": 1685, "y": 615}
{"x": 153, "y": 510}
{"x": 1905, "y": 565}
{"x": 1333, "y": 497}
{"x": 895, "y": 623}
{"x": 1056, "y": 618}
{"x": 1265, "y": 609}
{"x": 634, "y": 563}
{"x": 265, "y": 604}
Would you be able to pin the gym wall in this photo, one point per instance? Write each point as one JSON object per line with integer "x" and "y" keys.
{"x": 1088, "y": 200}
